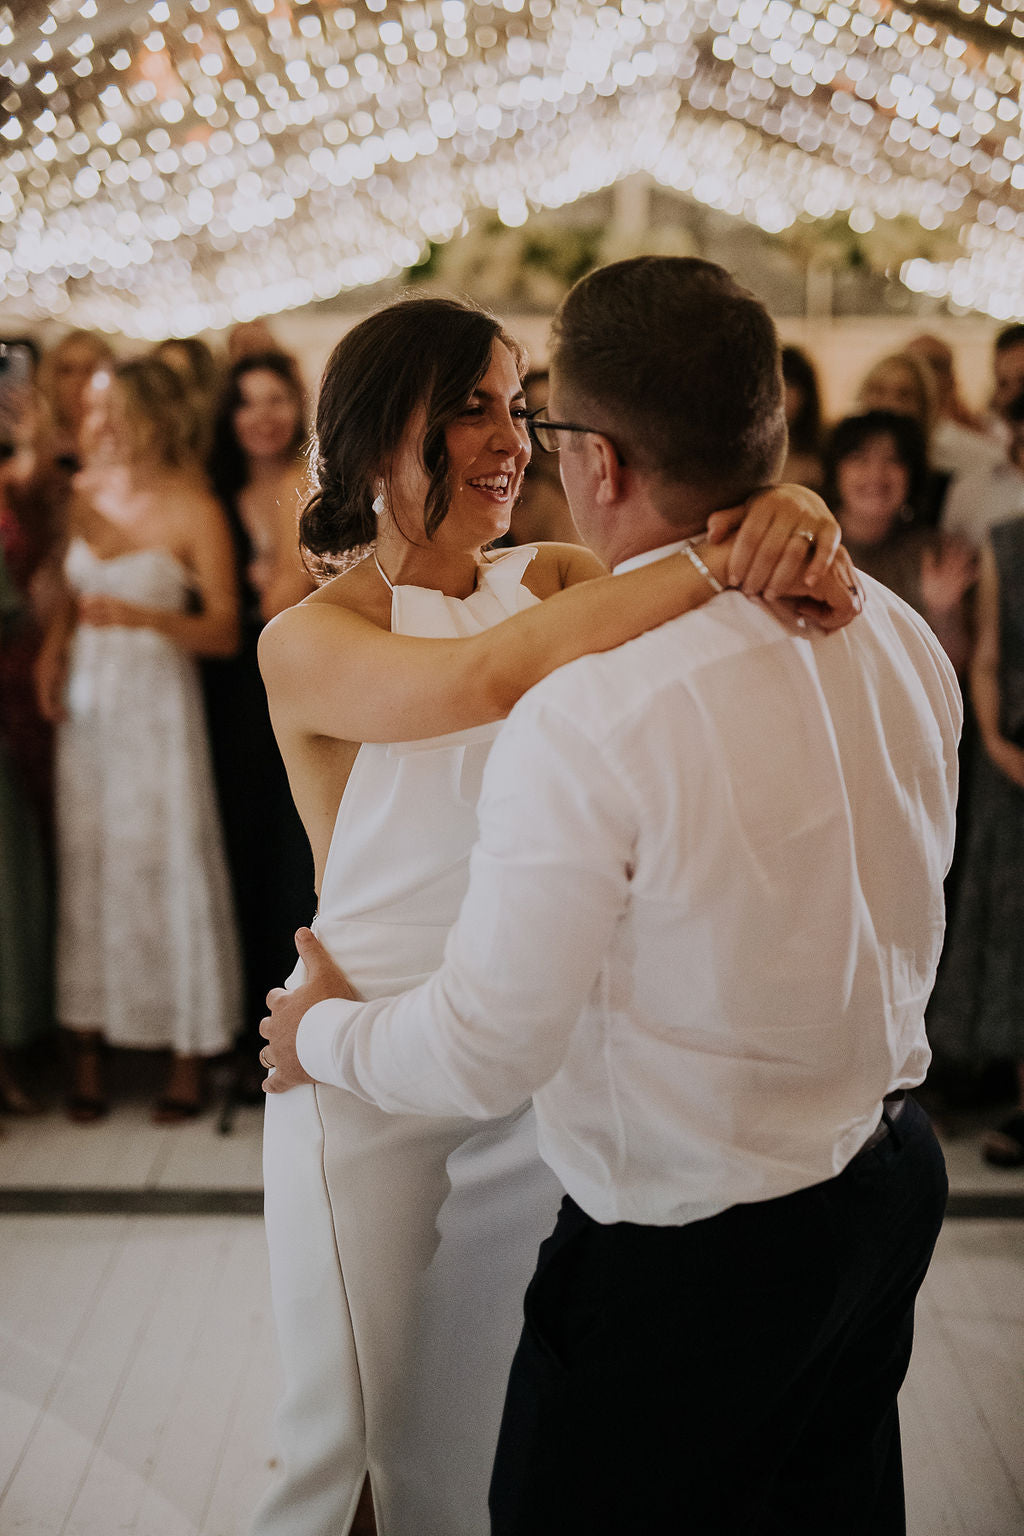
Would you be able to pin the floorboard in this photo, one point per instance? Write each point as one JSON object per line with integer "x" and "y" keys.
{"x": 138, "y": 1375}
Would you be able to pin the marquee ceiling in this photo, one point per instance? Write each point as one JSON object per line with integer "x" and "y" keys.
{"x": 171, "y": 166}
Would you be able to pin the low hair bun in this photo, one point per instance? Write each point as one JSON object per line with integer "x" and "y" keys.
{"x": 333, "y": 525}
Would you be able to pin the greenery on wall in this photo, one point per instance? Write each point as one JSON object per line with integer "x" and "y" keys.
{"x": 531, "y": 267}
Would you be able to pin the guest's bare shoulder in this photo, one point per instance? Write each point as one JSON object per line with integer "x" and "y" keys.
{"x": 192, "y": 518}
{"x": 558, "y": 566}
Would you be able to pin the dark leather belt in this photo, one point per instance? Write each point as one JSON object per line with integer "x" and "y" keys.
{"x": 892, "y": 1108}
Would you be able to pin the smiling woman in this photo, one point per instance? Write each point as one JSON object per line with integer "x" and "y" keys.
{"x": 876, "y": 481}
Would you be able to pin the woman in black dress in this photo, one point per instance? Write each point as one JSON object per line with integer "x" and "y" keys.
{"x": 258, "y": 474}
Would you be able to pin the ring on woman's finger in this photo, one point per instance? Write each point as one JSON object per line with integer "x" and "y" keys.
{"x": 804, "y": 533}
{"x": 263, "y": 1058}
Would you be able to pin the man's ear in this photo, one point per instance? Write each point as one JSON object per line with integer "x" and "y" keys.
{"x": 606, "y": 469}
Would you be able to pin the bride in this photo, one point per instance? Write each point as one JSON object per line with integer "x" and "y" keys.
{"x": 400, "y": 1247}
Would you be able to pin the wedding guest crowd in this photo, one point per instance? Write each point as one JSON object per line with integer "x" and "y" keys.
{"x": 931, "y": 500}
{"x": 153, "y": 533}
{"x": 163, "y": 861}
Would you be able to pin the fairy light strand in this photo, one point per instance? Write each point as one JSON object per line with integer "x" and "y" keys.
{"x": 185, "y": 164}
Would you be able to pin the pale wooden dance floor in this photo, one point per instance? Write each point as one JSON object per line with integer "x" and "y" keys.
{"x": 137, "y": 1365}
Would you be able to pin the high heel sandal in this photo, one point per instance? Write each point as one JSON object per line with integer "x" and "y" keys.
{"x": 183, "y": 1098}
{"x": 13, "y": 1098}
{"x": 84, "y": 1108}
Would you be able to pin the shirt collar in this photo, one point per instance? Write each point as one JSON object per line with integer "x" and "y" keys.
{"x": 649, "y": 555}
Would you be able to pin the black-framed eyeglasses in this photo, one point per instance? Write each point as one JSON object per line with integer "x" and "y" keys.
{"x": 545, "y": 433}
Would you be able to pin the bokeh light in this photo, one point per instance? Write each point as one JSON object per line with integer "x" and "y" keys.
{"x": 181, "y": 165}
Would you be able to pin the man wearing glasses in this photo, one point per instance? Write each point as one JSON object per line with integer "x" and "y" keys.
{"x": 703, "y": 921}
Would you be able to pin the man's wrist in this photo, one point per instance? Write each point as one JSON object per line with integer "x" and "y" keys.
{"x": 317, "y": 1036}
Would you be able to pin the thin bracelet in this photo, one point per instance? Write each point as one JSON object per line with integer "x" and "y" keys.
{"x": 695, "y": 560}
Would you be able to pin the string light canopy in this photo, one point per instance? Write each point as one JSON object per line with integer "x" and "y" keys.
{"x": 175, "y": 166}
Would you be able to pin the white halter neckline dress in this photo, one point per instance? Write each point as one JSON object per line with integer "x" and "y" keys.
{"x": 400, "y": 1246}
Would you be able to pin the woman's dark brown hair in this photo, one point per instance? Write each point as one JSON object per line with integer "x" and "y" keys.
{"x": 229, "y": 467}
{"x": 853, "y": 433}
{"x": 430, "y": 353}
{"x": 805, "y": 429}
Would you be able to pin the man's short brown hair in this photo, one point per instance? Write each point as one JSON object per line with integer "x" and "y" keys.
{"x": 680, "y": 366}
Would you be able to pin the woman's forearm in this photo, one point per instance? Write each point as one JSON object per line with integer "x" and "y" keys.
{"x": 51, "y": 663}
{"x": 985, "y": 696}
{"x": 200, "y": 634}
{"x": 329, "y": 672}
{"x": 61, "y": 624}
{"x": 1007, "y": 756}
{"x": 984, "y": 668}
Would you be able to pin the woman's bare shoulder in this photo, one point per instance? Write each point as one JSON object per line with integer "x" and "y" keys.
{"x": 189, "y": 501}
{"x": 561, "y": 565}
{"x": 355, "y": 588}
{"x": 357, "y": 592}
{"x": 339, "y": 619}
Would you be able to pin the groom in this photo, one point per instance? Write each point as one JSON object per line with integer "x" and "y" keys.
{"x": 703, "y": 921}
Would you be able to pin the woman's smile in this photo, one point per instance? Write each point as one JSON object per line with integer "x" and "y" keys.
{"x": 496, "y": 487}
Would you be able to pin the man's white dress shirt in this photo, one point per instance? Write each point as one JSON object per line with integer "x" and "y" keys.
{"x": 703, "y": 918}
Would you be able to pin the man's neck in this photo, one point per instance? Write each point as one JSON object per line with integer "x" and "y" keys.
{"x": 633, "y": 537}
{"x": 653, "y": 552}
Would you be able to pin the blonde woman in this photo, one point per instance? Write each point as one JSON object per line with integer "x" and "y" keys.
{"x": 64, "y": 375}
{"x": 145, "y": 946}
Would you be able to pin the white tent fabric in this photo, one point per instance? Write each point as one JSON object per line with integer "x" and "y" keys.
{"x": 168, "y": 166}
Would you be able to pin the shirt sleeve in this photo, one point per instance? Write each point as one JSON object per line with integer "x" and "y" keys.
{"x": 549, "y": 880}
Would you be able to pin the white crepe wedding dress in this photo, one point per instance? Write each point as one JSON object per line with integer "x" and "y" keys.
{"x": 400, "y": 1246}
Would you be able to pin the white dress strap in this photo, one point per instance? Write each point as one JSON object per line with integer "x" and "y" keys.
{"x": 380, "y": 572}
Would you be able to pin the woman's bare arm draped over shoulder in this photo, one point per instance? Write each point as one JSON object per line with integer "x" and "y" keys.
{"x": 330, "y": 672}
